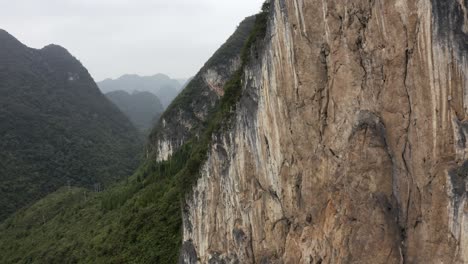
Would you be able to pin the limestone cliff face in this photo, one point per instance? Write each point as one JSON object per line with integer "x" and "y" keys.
{"x": 188, "y": 112}
{"x": 349, "y": 143}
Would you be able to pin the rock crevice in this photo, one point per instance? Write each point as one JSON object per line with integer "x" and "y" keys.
{"x": 349, "y": 141}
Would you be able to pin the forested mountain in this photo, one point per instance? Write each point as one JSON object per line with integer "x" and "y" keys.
{"x": 184, "y": 82}
{"x": 56, "y": 127}
{"x": 143, "y": 108}
{"x": 161, "y": 85}
{"x": 139, "y": 220}
{"x": 322, "y": 131}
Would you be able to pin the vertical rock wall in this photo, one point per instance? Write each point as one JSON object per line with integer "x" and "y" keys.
{"x": 186, "y": 115}
{"x": 349, "y": 143}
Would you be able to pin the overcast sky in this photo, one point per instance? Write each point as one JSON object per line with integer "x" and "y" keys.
{"x": 115, "y": 37}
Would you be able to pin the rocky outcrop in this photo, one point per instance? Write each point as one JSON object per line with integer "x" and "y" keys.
{"x": 187, "y": 114}
{"x": 349, "y": 142}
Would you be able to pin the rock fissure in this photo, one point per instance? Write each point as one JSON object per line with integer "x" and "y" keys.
{"x": 360, "y": 89}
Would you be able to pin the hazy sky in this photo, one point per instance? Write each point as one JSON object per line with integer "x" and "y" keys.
{"x": 114, "y": 37}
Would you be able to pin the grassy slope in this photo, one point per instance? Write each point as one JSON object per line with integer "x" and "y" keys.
{"x": 137, "y": 221}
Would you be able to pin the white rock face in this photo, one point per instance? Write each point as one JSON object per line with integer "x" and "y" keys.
{"x": 216, "y": 81}
{"x": 165, "y": 150}
{"x": 344, "y": 148}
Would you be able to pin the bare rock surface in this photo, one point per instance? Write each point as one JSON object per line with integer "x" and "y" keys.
{"x": 349, "y": 143}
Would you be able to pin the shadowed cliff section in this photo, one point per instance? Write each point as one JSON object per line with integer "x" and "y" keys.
{"x": 451, "y": 22}
{"x": 56, "y": 127}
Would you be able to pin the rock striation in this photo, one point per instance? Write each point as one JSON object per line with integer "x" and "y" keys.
{"x": 348, "y": 144}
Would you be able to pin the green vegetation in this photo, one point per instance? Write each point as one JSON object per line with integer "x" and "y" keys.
{"x": 56, "y": 128}
{"x": 142, "y": 108}
{"x": 137, "y": 221}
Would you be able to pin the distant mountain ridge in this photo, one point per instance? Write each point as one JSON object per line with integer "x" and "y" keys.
{"x": 142, "y": 108}
{"x": 56, "y": 127}
{"x": 161, "y": 85}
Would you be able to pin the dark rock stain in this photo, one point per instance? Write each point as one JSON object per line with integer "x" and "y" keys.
{"x": 449, "y": 19}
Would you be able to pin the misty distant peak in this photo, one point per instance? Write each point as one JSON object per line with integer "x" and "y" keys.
{"x": 128, "y": 76}
{"x": 158, "y": 76}
{"x": 142, "y": 108}
{"x": 161, "y": 76}
{"x": 161, "y": 85}
{"x": 119, "y": 93}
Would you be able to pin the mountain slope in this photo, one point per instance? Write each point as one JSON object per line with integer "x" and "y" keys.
{"x": 188, "y": 113}
{"x": 137, "y": 221}
{"x": 165, "y": 88}
{"x": 56, "y": 126}
{"x": 142, "y": 108}
{"x": 340, "y": 138}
